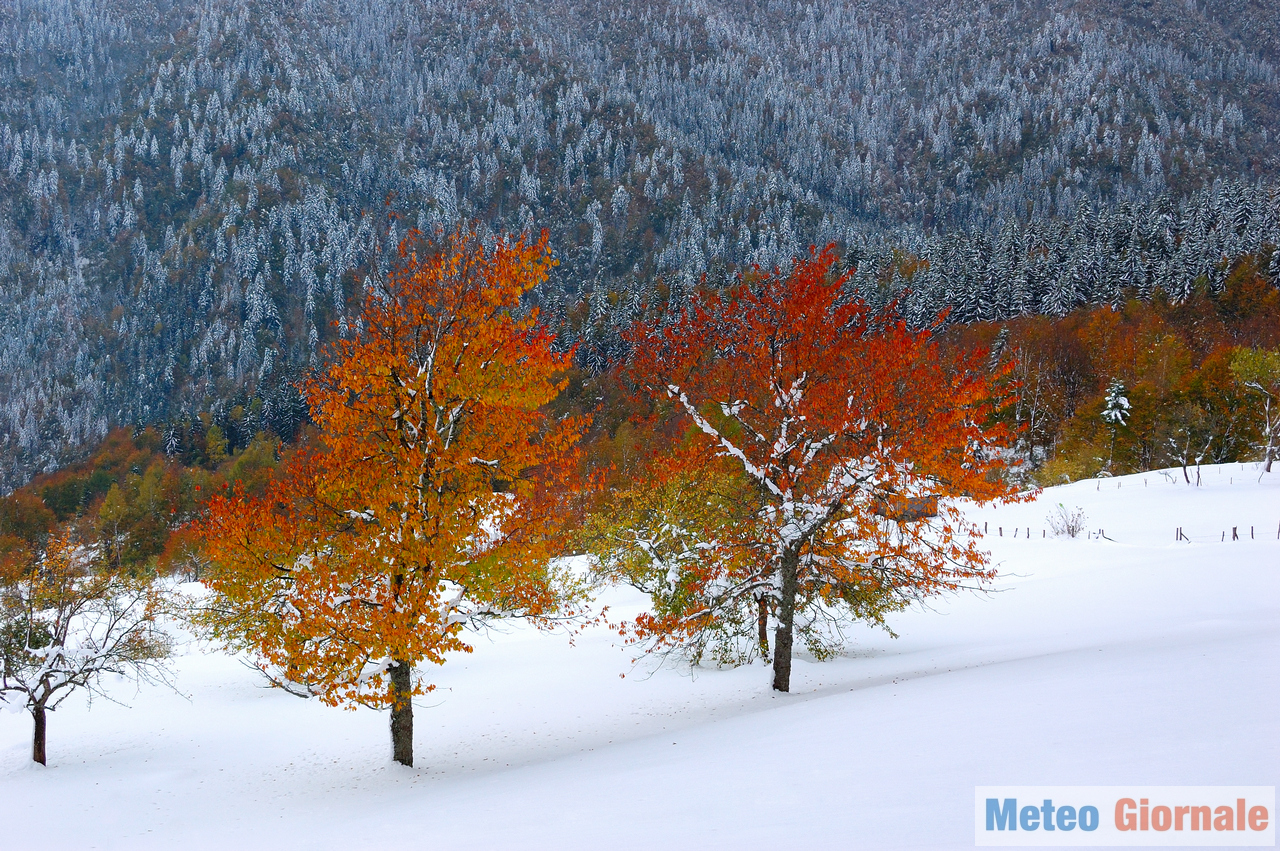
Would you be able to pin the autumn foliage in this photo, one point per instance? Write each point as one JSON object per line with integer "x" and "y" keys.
{"x": 826, "y": 426}
{"x": 1177, "y": 363}
{"x": 429, "y": 500}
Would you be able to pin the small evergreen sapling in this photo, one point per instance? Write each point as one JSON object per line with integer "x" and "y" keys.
{"x": 1115, "y": 413}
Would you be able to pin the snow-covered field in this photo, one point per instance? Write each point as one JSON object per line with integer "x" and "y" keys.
{"x": 1129, "y": 659}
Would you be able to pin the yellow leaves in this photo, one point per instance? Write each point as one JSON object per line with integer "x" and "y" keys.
{"x": 1257, "y": 369}
{"x": 430, "y": 498}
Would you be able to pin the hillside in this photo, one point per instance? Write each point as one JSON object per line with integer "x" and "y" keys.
{"x": 192, "y": 194}
{"x": 1129, "y": 658}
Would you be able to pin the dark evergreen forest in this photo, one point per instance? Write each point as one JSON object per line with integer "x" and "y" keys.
{"x": 193, "y": 194}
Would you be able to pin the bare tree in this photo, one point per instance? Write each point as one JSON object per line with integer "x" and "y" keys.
{"x": 63, "y": 625}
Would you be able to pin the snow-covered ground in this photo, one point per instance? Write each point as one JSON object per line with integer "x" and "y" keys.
{"x": 1129, "y": 659}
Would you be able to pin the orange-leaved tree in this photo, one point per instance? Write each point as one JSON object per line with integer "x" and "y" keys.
{"x": 857, "y": 437}
{"x": 428, "y": 501}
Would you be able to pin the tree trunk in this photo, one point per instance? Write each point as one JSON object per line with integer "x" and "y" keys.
{"x": 762, "y": 627}
{"x": 37, "y": 737}
{"x": 786, "y": 620}
{"x": 401, "y": 712}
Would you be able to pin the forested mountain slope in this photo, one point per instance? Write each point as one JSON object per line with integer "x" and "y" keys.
{"x": 191, "y": 193}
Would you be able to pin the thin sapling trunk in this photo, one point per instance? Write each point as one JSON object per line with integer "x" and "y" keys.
{"x": 762, "y": 627}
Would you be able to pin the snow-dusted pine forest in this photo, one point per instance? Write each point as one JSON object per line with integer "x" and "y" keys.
{"x": 191, "y": 194}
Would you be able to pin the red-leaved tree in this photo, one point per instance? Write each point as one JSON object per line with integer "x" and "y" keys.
{"x": 857, "y": 440}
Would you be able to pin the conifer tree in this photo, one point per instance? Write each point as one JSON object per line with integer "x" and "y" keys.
{"x": 1115, "y": 413}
